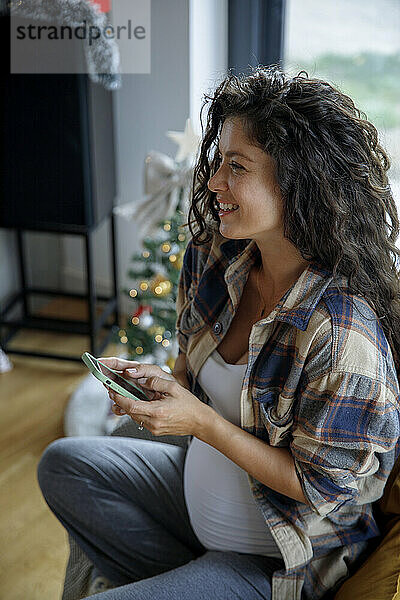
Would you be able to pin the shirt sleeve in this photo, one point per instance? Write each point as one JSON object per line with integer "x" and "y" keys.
{"x": 184, "y": 297}
{"x": 345, "y": 439}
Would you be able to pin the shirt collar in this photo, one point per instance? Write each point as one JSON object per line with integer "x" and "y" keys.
{"x": 231, "y": 250}
{"x": 299, "y": 302}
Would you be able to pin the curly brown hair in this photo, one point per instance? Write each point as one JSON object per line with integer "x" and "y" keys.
{"x": 338, "y": 208}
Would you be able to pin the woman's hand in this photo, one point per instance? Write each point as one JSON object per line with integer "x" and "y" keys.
{"x": 121, "y": 365}
{"x": 174, "y": 410}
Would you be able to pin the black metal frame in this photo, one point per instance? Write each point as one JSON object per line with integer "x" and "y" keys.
{"x": 91, "y": 327}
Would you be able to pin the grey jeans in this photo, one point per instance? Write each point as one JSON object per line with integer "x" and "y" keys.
{"x": 122, "y": 500}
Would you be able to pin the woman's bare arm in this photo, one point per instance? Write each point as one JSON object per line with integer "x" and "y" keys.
{"x": 272, "y": 466}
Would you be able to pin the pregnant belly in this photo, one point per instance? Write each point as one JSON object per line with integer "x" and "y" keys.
{"x": 221, "y": 507}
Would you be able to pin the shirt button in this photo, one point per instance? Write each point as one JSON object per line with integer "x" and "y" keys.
{"x": 217, "y": 327}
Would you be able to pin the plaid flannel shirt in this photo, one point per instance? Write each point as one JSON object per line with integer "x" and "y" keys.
{"x": 321, "y": 381}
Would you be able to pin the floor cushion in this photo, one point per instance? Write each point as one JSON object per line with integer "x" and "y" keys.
{"x": 379, "y": 576}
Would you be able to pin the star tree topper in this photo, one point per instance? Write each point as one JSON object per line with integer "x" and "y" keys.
{"x": 188, "y": 142}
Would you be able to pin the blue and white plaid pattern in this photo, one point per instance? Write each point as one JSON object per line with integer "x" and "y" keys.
{"x": 321, "y": 381}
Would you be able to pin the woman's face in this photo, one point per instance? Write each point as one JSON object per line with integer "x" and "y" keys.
{"x": 246, "y": 178}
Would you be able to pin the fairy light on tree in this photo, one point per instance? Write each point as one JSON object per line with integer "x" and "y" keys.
{"x": 155, "y": 271}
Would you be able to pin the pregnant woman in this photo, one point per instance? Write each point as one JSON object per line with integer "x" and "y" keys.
{"x": 288, "y": 328}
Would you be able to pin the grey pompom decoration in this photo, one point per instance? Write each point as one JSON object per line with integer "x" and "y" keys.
{"x": 102, "y": 55}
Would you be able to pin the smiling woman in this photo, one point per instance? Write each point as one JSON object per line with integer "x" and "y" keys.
{"x": 251, "y": 206}
{"x": 288, "y": 320}
{"x": 246, "y": 178}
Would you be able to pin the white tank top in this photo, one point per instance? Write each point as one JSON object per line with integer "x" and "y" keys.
{"x": 221, "y": 507}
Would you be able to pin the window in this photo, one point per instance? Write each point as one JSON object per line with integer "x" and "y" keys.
{"x": 356, "y": 46}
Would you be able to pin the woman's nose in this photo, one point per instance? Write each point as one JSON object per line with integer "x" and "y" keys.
{"x": 217, "y": 182}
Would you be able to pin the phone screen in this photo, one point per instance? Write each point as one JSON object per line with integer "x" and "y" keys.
{"x": 132, "y": 388}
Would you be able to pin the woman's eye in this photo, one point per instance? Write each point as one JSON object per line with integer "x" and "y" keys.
{"x": 235, "y": 167}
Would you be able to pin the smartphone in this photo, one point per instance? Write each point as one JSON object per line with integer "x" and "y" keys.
{"x": 113, "y": 379}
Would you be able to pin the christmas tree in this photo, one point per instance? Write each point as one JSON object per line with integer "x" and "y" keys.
{"x": 149, "y": 335}
{"x": 156, "y": 270}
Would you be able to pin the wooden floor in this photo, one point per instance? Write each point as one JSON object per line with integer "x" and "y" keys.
{"x": 33, "y": 396}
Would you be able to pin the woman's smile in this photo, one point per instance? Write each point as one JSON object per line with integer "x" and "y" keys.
{"x": 227, "y": 208}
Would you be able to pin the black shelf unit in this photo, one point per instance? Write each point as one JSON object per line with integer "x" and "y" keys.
{"x": 57, "y": 139}
{"x": 92, "y": 327}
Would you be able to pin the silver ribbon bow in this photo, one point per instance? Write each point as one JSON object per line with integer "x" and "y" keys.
{"x": 164, "y": 182}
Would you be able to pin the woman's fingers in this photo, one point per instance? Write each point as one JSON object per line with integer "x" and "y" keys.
{"x": 140, "y": 372}
{"x": 134, "y": 368}
{"x": 145, "y": 370}
{"x": 161, "y": 385}
{"x": 119, "y": 364}
{"x": 128, "y": 403}
{"x": 117, "y": 410}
